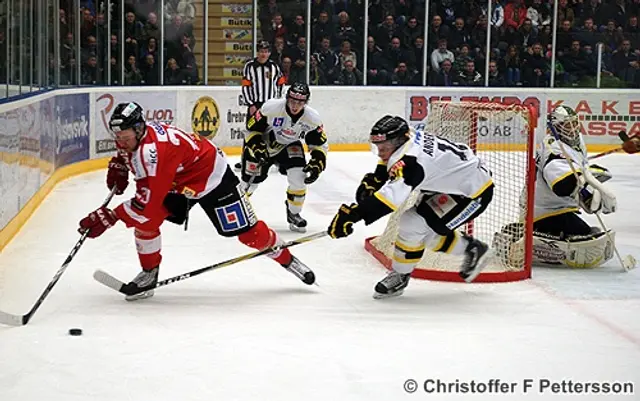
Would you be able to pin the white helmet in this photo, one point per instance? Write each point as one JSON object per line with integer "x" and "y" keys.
{"x": 566, "y": 124}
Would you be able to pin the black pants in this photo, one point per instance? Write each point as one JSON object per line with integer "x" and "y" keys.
{"x": 226, "y": 206}
{"x": 562, "y": 225}
{"x": 292, "y": 155}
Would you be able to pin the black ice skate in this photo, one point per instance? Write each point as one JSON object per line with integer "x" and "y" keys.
{"x": 296, "y": 222}
{"x": 300, "y": 270}
{"x": 476, "y": 257}
{"x": 392, "y": 286}
{"x": 145, "y": 281}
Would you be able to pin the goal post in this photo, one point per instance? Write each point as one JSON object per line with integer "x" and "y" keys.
{"x": 503, "y": 136}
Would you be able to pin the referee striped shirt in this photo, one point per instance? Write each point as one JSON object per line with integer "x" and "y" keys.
{"x": 261, "y": 82}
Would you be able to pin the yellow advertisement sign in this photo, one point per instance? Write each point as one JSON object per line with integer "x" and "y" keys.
{"x": 235, "y": 22}
{"x": 238, "y": 47}
{"x": 205, "y": 117}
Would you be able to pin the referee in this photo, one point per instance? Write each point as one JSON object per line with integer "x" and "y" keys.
{"x": 261, "y": 80}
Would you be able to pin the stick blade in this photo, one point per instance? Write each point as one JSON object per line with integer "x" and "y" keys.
{"x": 623, "y": 135}
{"x": 108, "y": 280}
{"x": 11, "y": 320}
{"x": 629, "y": 262}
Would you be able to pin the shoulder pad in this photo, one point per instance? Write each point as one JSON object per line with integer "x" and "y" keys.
{"x": 272, "y": 106}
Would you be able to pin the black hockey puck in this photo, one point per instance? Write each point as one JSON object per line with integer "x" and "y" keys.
{"x": 75, "y": 332}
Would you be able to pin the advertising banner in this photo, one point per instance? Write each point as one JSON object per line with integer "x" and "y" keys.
{"x": 9, "y": 166}
{"x": 219, "y": 115}
{"x": 158, "y": 106}
{"x": 72, "y": 128}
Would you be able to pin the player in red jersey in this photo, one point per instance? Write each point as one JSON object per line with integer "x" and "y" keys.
{"x": 174, "y": 171}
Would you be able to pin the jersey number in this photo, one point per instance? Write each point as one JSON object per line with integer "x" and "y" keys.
{"x": 446, "y": 145}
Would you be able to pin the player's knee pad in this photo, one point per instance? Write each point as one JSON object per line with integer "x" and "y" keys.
{"x": 295, "y": 177}
{"x": 148, "y": 245}
{"x": 260, "y": 236}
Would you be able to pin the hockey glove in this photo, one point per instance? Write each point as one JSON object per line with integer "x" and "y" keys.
{"x": 118, "y": 175}
{"x": 315, "y": 166}
{"x": 632, "y": 145}
{"x": 594, "y": 200}
{"x": 342, "y": 224}
{"x": 368, "y": 186}
{"x": 97, "y": 222}
{"x": 257, "y": 148}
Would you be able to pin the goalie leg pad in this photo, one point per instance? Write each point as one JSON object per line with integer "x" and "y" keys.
{"x": 579, "y": 251}
{"x": 148, "y": 245}
{"x": 260, "y": 236}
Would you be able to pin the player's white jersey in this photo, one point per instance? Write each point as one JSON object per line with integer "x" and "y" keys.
{"x": 441, "y": 166}
{"x": 552, "y": 168}
{"x": 282, "y": 130}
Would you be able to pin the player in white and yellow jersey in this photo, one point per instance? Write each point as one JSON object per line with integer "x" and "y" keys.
{"x": 455, "y": 188}
{"x": 275, "y": 136}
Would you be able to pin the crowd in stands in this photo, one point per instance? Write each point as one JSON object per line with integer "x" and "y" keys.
{"x": 520, "y": 42}
{"x": 142, "y": 39}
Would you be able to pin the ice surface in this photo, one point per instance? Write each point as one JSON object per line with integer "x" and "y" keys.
{"x": 252, "y": 331}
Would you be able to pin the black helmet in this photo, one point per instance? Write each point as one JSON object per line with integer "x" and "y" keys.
{"x": 388, "y": 128}
{"x": 263, "y": 44}
{"x": 299, "y": 91}
{"x": 127, "y": 115}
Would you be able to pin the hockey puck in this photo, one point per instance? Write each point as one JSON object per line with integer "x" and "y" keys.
{"x": 75, "y": 332}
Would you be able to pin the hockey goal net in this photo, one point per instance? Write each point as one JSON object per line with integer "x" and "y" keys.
{"x": 503, "y": 136}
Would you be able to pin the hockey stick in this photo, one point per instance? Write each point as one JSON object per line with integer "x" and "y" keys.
{"x": 113, "y": 283}
{"x": 21, "y": 320}
{"x": 628, "y": 262}
{"x": 623, "y": 136}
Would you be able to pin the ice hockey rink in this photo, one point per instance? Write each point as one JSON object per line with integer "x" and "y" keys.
{"x": 252, "y": 331}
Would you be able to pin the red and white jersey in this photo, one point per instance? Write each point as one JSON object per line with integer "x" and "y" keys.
{"x": 168, "y": 160}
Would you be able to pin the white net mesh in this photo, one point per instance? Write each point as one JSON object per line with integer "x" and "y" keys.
{"x": 499, "y": 135}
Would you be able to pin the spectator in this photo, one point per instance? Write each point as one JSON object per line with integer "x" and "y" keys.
{"x": 576, "y": 64}
{"x": 445, "y": 75}
{"x": 150, "y": 73}
{"x": 132, "y": 34}
{"x": 462, "y": 58}
{"x": 612, "y": 37}
{"x": 286, "y": 71}
{"x": 526, "y": 36}
{"x": 386, "y": 31}
{"x": 316, "y": 75}
{"x": 410, "y": 32}
{"x": 377, "y": 65}
{"x": 350, "y": 76}
{"x": 588, "y": 33}
{"x": 319, "y": 7}
{"x": 298, "y": 29}
{"x": 535, "y": 68}
{"x": 539, "y": 14}
{"x": 515, "y": 13}
{"x": 278, "y": 52}
{"x": 328, "y": 61}
{"x": 87, "y": 27}
{"x": 267, "y": 12}
{"x": 479, "y": 35}
{"x": 511, "y": 65}
{"x": 564, "y": 38}
{"x": 91, "y": 73}
{"x": 418, "y": 54}
{"x": 565, "y": 13}
{"x": 346, "y": 54}
{"x": 403, "y": 76}
{"x": 344, "y": 31}
{"x": 437, "y": 31}
{"x": 150, "y": 48}
{"x": 496, "y": 79}
{"x": 132, "y": 75}
{"x": 172, "y": 74}
{"x": 276, "y": 29}
{"x": 151, "y": 29}
{"x": 396, "y": 54}
{"x": 497, "y": 14}
{"x": 625, "y": 63}
{"x": 440, "y": 54}
{"x": 322, "y": 29}
{"x": 459, "y": 35}
{"x": 592, "y": 9}
{"x": 469, "y": 76}
{"x": 298, "y": 56}
{"x": 632, "y": 31}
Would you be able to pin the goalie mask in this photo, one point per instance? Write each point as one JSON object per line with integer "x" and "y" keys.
{"x": 565, "y": 123}
{"x": 387, "y": 135}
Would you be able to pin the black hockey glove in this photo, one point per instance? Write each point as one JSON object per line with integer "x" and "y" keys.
{"x": 368, "y": 186}
{"x": 342, "y": 224}
{"x": 315, "y": 166}
{"x": 257, "y": 149}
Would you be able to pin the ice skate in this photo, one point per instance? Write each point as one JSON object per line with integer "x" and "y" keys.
{"x": 391, "y": 286}
{"x": 296, "y": 222}
{"x": 300, "y": 270}
{"x": 476, "y": 257}
{"x": 145, "y": 281}
{"x": 237, "y": 167}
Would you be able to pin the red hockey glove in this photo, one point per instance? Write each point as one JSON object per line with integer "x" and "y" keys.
{"x": 98, "y": 222}
{"x": 118, "y": 175}
{"x": 632, "y": 145}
